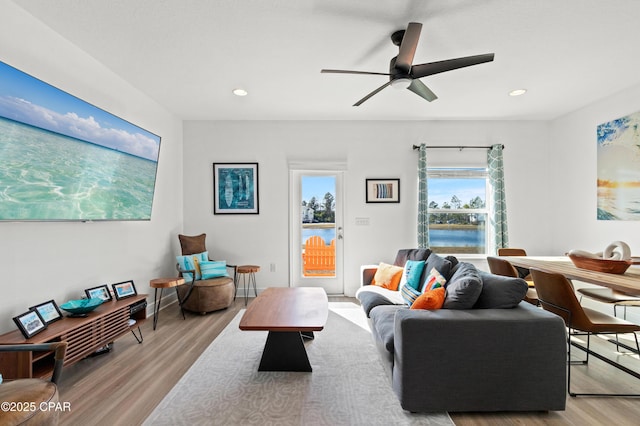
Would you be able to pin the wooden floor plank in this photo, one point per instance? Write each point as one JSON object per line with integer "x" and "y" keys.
{"x": 124, "y": 386}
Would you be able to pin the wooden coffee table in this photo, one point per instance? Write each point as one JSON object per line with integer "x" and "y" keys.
{"x": 288, "y": 314}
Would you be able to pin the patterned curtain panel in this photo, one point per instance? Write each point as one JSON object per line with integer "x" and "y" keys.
{"x": 496, "y": 179}
{"x": 423, "y": 217}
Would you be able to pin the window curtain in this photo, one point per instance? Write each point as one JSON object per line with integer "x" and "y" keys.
{"x": 496, "y": 180}
{"x": 423, "y": 217}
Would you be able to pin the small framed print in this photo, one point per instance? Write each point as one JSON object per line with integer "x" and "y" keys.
{"x": 49, "y": 311}
{"x": 235, "y": 188}
{"x": 101, "y": 292}
{"x": 383, "y": 190}
{"x": 30, "y": 323}
{"x": 124, "y": 289}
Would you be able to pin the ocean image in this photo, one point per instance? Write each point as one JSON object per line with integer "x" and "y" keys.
{"x": 619, "y": 169}
{"x": 49, "y": 176}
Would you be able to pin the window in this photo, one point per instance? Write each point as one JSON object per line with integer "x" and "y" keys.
{"x": 458, "y": 210}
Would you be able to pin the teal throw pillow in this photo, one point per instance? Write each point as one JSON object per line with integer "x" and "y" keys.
{"x": 413, "y": 272}
{"x": 192, "y": 263}
{"x": 409, "y": 294}
{"x": 213, "y": 269}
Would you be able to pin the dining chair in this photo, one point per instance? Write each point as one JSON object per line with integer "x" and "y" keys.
{"x": 522, "y": 272}
{"x": 556, "y": 294}
{"x": 503, "y": 267}
{"x": 609, "y": 296}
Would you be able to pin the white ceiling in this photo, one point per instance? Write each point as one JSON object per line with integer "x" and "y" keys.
{"x": 188, "y": 55}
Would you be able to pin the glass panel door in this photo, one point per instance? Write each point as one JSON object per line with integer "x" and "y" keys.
{"x": 317, "y": 230}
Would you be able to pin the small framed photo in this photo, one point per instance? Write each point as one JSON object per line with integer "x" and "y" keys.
{"x": 235, "y": 188}
{"x": 101, "y": 292}
{"x": 383, "y": 190}
{"x": 30, "y": 323}
{"x": 48, "y": 311}
{"x": 124, "y": 289}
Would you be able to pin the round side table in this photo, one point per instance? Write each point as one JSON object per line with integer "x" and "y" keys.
{"x": 244, "y": 271}
{"x": 161, "y": 284}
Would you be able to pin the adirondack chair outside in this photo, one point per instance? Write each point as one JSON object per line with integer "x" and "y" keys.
{"x": 318, "y": 258}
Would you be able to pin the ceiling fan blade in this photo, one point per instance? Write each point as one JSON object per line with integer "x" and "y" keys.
{"x": 372, "y": 93}
{"x": 408, "y": 46}
{"x": 423, "y": 70}
{"x": 421, "y": 90}
{"x": 353, "y": 72}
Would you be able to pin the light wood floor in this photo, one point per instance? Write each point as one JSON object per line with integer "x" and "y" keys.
{"x": 123, "y": 386}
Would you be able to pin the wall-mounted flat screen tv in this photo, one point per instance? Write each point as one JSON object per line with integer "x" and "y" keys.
{"x": 62, "y": 158}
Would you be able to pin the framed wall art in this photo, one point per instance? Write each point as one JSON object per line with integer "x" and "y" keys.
{"x": 101, "y": 292}
{"x": 383, "y": 190}
{"x": 124, "y": 289}
{"x": 235, "y": 188}
{"x": 618, "y": 150}
{"x": 49, "y": 311}
{"x": 30, "y": 323}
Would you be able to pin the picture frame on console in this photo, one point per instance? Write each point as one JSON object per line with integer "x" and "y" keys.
{"x": 30, "y": 323}
{"x": 49, "y": 311}
{"x": 100, "y": 292}
{"x": 382, "y": 190}
{"x": 124, "y": 289}
{"x": 235, "y": 188}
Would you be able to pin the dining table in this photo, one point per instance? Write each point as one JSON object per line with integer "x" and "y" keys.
{"x": 629, "y": 282}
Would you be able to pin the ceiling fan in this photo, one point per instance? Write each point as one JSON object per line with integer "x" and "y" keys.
{"x": 402, "y": 73}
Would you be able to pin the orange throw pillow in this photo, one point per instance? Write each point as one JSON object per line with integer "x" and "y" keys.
{"x": 431, "y": 299}
{"x": 387, "y": 276}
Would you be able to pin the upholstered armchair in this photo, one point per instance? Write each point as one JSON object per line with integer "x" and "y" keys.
{"x": 36, "y": 394}
{"x": 204, "y": 295}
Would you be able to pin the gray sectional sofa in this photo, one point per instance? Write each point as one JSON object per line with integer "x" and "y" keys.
{"x": 486, "y": 350}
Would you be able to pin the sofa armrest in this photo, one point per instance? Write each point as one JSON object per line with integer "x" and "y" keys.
{"x": 366, "y": 274}
{"x": 490, "y": 359}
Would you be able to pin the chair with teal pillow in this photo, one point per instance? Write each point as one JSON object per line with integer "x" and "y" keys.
{"x": 208, "y": 286}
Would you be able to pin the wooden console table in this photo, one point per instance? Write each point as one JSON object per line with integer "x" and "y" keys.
{"x": 84, "y": 336}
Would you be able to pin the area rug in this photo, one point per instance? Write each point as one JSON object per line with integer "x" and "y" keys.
{"x": 348, "y": 385}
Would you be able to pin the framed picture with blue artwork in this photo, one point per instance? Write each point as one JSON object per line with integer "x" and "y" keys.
{"x": 235, "y": 188}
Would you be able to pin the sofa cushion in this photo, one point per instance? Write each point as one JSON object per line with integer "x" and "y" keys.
{"x": 500, "y": 292}
{"x": 371, "y": 299}
{"x": 463, "y": 288}
{"x": 411, "y": 254}
{"x": 383, "y": 324}
{"x": 430, "y": 299}
{"x": 434, "y": 280}
{"x": 412, "y": 273}
{"x": 387, "y": 276}
{"x": 409, "y": 294}
{"x": 441, "y": 264}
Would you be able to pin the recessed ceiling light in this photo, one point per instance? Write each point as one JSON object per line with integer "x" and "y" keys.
{"x": 517, "y": 92}
{"x": 240, "y": 92}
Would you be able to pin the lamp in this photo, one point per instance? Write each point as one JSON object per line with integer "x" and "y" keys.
{"x": 401, "y": 83}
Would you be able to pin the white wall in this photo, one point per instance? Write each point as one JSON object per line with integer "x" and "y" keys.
{"x": 43, "y": 261}
{"x": 371, "y": 149}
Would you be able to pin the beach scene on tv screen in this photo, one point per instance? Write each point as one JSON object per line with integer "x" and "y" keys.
{"x": 62, "y": 158}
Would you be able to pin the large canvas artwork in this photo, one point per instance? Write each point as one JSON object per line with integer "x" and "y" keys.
{"x": 62, "y": 158}
{"x": 619, "y": 168}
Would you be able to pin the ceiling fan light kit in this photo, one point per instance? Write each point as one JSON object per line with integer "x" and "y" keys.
{"x": 403, "y": 74}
